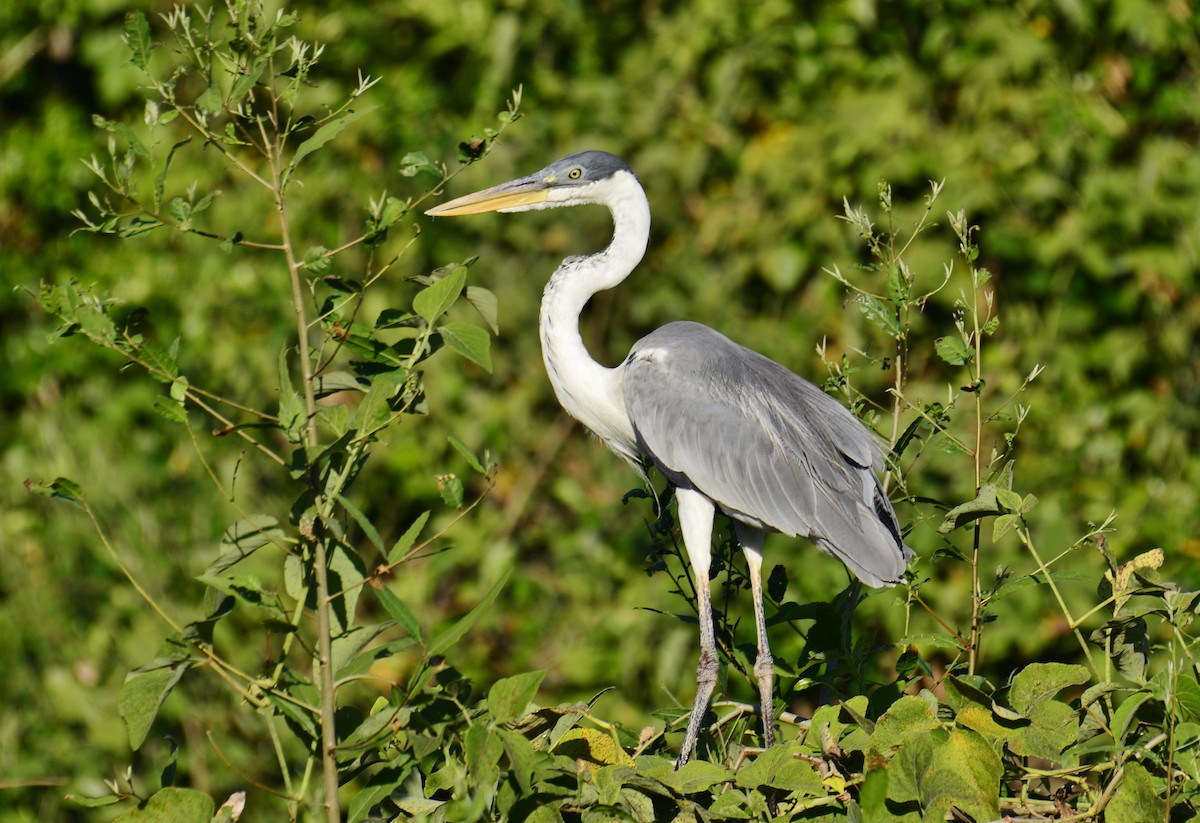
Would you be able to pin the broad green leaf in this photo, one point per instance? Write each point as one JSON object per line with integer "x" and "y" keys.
{"x": 326, "y": 133}
{"x": 348, "y": 646}
{"x": 879, "y": 312}
{"x": 985, "y": 504}
{"x": 508, "y": 698}
{"x": 137, "y": 39}
{"x": 435, "y": 299}
{"x": 592, "y": 746}
{"x": 337, "y": 381}
{"x": 400, "y": 612}
{"x": 872, "y": 798}
{"x": 778, "y": 768}
{"x": 907, "y": 717}
{"x": 172, "y": 805}
{"x": 1135, "y": 800}
{"x": 966, "y": 772}
{"x": 211, "y": 100}
{"x": 953, "y": 350}
{"x": 291, "y": 407}
{"x": 377, "y": 788}
{"x": 470, "y": 341}
{"x": 407, "y": 539}
{"x": 245, "y": 82}
{"x": 346, "y": 575}
{"x": 451, "y": 489}
{"x": 143, "y": 694}
{"x": 1008, "y": 499}
{"x": 897, "y": 285}
{"x": 446, "y": 640}
{"x": 1004, "y": 524}
{"x": 245, "y": 537}
{"x": 160, "y": 363}
{"x": 317, "y": 260}
{"x": 376, "y": 407}
{"x": 415, "y": 162}
{"x": 939, "y": 771}
{"x": 1038, "y": 683}
{"x": 170, "y": 410}
{"x": 1052, "y": 728}
{"x": 695, "y": 776}
{"x": 485, "y": 303}
{"x": 482, "y": 751}
{"x": 60, "y": 489}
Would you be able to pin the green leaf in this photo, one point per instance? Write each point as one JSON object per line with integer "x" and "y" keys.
{"x": 435, "y": 299}
{"x": 907, "y": 717}
{"x": 377, "y": 788}
{"x": 171, "y": 410}
{"x": 416, "y": 162}
{"x": 470, "y": 457}
{"x": 448, "y": 638}
{"x": 485, "y": 303}
{"x": 778, "y": 768}
{"x": 953, "y": 350}
{"x": 317, "y": 260}
{"x": 400, "y": 612}
{"x": 160, "y": 181}
{"x": 245, "y": 82}
{"x": 508, "y": 698}
{"x": 451, "y": 489}
{"x": 143, "y": 693}
{"x": 939, "y": 770}
{"x": 172, "y": 805}
{"x": 1008, "y": 499}
{"x": 408, "y": 538}
{"x": 695, "y": 776}
{"x": 1135, "y": 799}
{"x": 326, "y": 133}
{"x": 114, "y": 127}
{"x": 1003, "y": 525}
{"x": 1038, "y": 683}
{"x": 879, "y": 312}
{"x": 211, "y": 101}
{"x": 137, "y": 39}
{"x": 364, "y": 523}
{"x": 470, "y": 341}
{"x": 897, "y": 285}
{"x": 60, "y": 488}
{"x": 985, "y": 504}
{"x": 92, "y": 802}
{"x": 346, "y": 576}
{"x": 291, "y": 407}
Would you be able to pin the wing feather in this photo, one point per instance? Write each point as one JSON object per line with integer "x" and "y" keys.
{"x": 768, "y": 447}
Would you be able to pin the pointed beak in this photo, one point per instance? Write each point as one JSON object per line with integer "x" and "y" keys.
{"x": 526, "y": 191}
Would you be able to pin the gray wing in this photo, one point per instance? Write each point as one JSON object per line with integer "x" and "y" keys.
{"x": 768, "y": 447}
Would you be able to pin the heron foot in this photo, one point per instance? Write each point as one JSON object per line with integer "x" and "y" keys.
{"x": 706, "y": 681}
{"x": 764, "y": 671}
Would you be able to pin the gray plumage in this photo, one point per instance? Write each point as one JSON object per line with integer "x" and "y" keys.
{"x": 728, "y": 427}
{"x": 769, "y": 448}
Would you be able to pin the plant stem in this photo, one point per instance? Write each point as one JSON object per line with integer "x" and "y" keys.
{"x": 320, "y": 557}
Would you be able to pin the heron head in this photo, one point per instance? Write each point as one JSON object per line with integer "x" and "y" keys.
{"x": 572, "y": 181}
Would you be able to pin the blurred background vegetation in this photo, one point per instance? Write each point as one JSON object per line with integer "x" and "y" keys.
{"x": 1067, "y": 131}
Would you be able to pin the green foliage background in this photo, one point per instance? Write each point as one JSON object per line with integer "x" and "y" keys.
{"x": 1067, "y": 131}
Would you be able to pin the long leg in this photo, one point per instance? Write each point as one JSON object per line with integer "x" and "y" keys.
{"x": 764, "y": 665}
{"x": 695, "y": 521}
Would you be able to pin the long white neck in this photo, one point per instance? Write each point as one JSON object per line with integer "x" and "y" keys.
{"x": 590, "y": 392}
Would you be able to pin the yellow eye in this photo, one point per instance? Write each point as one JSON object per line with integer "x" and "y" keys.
{"x": 575, "y": 174}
